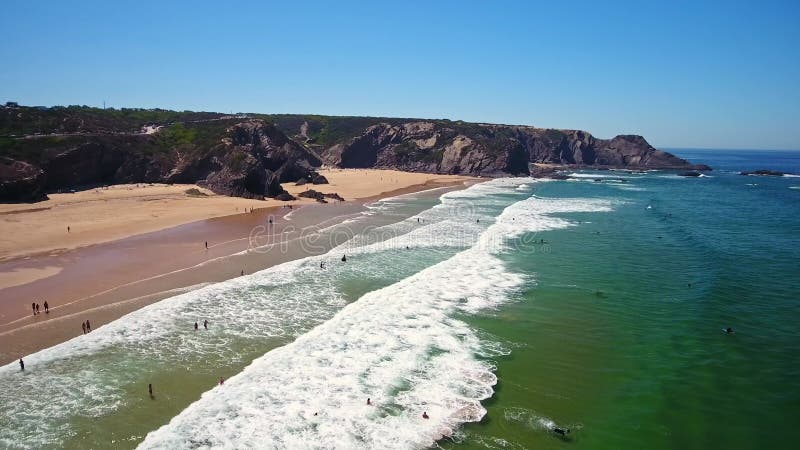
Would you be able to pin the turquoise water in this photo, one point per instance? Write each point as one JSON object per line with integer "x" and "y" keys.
{"x": 613, "y": 343}
{"x": 501, "y": 311}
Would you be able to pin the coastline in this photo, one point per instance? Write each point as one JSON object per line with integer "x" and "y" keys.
{"x": 104, "y": 281}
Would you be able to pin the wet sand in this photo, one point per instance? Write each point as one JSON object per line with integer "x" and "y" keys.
{"x": 106, "y": 281}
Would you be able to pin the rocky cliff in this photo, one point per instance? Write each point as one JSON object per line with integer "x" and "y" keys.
{"x": 51, "y": 149}
{"x": 491, "y": 149}
{"x": 244, "y": 158}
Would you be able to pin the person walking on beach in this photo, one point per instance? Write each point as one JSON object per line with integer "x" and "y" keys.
{"x": 67, "y": 228}
{"x": 205, "y": 324}
{"x": 37, "y": 308}
{"x": 88, "y": 326}
{"x": 83, "y": 325}
{"x": 33, "y": 307}
{"x": 21, "y": 365}
{"x": 206, "y": 245}
{"x": 221, "y": 381}
{"x": 46, "y": 307}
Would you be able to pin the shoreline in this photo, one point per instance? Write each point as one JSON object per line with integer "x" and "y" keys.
{"x": 103, "y": 282}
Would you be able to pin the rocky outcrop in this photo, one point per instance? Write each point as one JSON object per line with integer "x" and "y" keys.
{"x": 319, "y": 196}
{"x": 75, "y": 147}
{"x": 764, "y": 172}
{"x": 255, "y": 158}
{"x": 247, "y": 159}
{"x": 484, "y": 149}
{"x": 21, "y": 182}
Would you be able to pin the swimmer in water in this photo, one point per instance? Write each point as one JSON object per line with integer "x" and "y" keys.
{"x": 344, "y": 258}
{"x": 150, "y": 389}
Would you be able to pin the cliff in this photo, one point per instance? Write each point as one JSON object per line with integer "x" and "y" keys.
{"x": 486, "y": 149}
{"x": 51, "y": 149}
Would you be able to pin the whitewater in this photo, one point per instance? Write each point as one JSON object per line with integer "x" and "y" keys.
{"x": 385, "y": 325}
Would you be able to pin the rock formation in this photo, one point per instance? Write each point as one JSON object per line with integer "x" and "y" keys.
{"x": 250, "y": 156}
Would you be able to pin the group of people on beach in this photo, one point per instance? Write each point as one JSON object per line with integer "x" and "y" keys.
{"x": 36, "y": 309}
{"x": 87, "y": 327}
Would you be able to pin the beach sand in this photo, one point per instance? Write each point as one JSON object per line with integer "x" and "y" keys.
{"x": 129, "y": 246}
{"x": 106, "y": 214}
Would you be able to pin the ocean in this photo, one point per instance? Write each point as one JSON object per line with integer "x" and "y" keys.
{"x": 501, "y": 311}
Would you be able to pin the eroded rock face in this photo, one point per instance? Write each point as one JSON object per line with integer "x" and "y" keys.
{"x": 485, "y": 149}
{"x": 252, "y": 157}
{"x": 21, "y": 181}
{"x": 248, "y": 159}
{"x": 255, "y": 159}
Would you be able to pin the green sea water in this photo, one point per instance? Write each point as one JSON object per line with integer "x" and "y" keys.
{"x": 619, "y": 338}
{"x": 607, "y": 322}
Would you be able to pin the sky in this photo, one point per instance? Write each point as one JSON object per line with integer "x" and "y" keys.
{"x": 682, "y": 74}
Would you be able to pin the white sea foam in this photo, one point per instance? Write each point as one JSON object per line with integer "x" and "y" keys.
{"x": 401, "y": 346}
{"x": 592, "y": 176}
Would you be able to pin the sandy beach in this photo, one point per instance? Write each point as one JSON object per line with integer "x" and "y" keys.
{"x": 106, "y": 214}
{"x": 132, "y": 245}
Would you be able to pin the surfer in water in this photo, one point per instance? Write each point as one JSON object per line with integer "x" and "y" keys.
{"x": 425, "y": 415}
{"x": 729, "y": 330}
{"x": 344, "y": 258}
{"x": 195, "y": 325}
{"x": 561, "y": 431}
{"x": 205, "y": 324}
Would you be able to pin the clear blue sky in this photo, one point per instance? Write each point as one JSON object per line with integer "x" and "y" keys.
{"x": 683, "y": 74}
